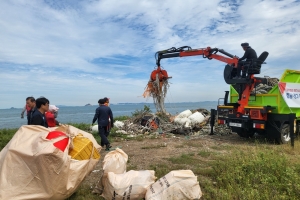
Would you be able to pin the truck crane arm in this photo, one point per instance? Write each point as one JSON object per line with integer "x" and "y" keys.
{"x": 209, "y": 53}
{"x": 245, "y": 85}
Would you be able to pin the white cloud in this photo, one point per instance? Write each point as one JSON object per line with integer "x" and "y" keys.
{"x": 77, "y": 52}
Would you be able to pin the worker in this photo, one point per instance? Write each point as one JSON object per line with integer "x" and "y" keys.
{"x": 38, "y": 117}
{"x": 51, "y": 114}
{"x": 27, "y": 109}
{"x": 107, "y": 104}
{"x": 103, "y": 114}
{"x": 30, "y": 102}
{"x": 106, "y": 101}
{"x": 244, "y": 61}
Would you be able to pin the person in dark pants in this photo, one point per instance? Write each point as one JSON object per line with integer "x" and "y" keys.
{"x": 30, "y": 102}
{"x": 106, "y": 100}
{"x": 38, "y": 117}
{"x": 247, "y": 58}
{"x": 103, "y": 114}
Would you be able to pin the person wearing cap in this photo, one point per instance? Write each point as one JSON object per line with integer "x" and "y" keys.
{"x": 103, "y": 114}
{"x": 248, "y": 56}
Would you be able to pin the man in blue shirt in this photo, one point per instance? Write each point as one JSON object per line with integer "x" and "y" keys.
{"x": 103, "y": 114}
{"x": 38, "y": 117}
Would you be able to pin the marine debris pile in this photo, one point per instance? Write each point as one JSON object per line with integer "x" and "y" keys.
{"x": 265, "y": 88}
{"x": 189, "y": 123}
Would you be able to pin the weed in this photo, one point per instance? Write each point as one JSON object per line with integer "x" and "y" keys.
{"x": 160, "y": 169}
{"x": 121, "y": 118}
{"x": 5, "y": 136}
{"x": 184, "y": 159}
{"x": 146, "y": 110}
{"x": 154, "y": 146}
{"x": 193, "y": 144}
{"x": 84, "y": 192}
{"x": 204, "y": 153}
{"x": 81, "y": 126}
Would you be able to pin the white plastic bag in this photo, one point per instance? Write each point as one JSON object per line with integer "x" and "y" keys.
{"x": 94, "y": 128}
{"x": 130, "y": 185}
{"x": 180, "y": 184}
{"x": 119, "y": 124}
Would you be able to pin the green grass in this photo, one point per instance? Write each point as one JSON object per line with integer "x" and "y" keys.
{"x": 5, "y": 136}
{"x": 260, "y": 171}
{"x": 154, "y": 146}
{"x": 205, "y": 153}
{"x": 263, "y": 174}
{"x": 121, "y": 118}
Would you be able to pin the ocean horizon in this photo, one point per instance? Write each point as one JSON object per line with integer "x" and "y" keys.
{"x": 122, "y": 103}
{"x": 11, "y": 117}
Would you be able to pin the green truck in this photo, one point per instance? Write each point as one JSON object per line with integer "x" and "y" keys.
{"x": 266, "y": 114}
{"x": 245, "y": 113}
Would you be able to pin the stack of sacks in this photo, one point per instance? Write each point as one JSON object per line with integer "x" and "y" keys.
{"x": 182, "y": 118}
{"x": 119, "y": 184}
{"x": 187, "y": 118}
{"x": 117, "y": 124}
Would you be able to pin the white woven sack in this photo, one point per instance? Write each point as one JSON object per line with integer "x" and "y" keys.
{"x": 185, "y": 113}
{"x": 182, "y": 121}
{"x": 180, "y": 184}
{"x": 196, "y": 118}
{"x": 115, "y": 161}
{"x": 130, "y": 185}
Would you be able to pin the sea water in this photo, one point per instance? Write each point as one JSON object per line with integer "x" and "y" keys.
{"x": 11, "y": 118}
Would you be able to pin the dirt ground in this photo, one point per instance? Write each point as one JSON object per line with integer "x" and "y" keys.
{"x": 143, "y": 153}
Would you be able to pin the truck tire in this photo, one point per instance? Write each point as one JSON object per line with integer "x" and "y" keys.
{"x": 284, "y": 134}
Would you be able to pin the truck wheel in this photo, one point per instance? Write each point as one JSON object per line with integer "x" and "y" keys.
{"x": 284, "y": 134}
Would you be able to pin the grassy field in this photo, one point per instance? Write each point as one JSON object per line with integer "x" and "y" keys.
{"x": 259, "y": 171}
{"x": 262, "y": 171}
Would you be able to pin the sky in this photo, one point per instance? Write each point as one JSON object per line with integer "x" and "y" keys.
{"x": 76, "y": 52}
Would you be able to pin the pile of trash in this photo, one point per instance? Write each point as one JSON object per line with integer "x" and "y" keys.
{"x": 189, "y": 122}
{"x": 262, "y": 88}
{"x": 116, "y": 183}
{"x": 265, "y": 88}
